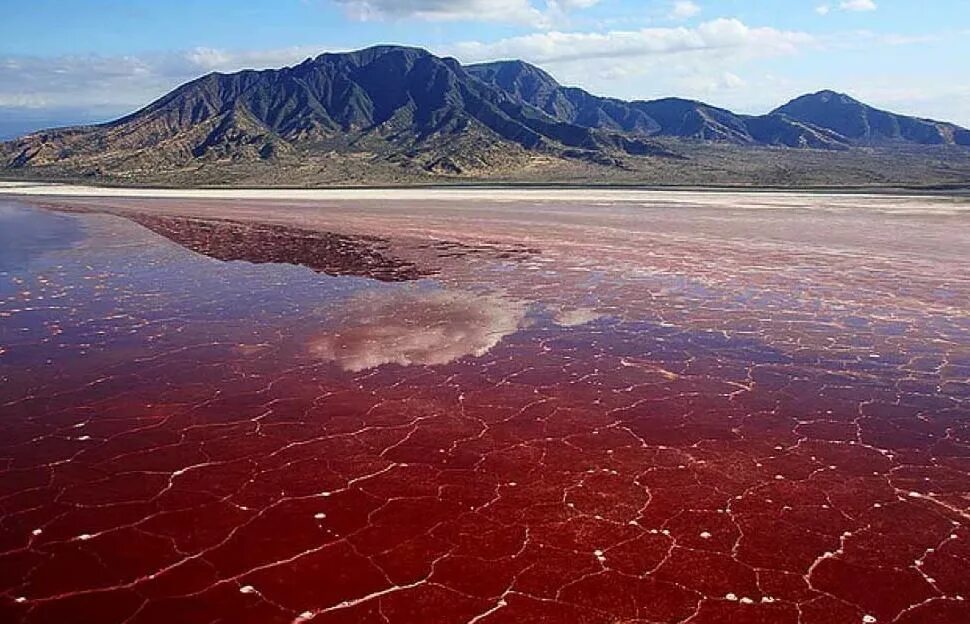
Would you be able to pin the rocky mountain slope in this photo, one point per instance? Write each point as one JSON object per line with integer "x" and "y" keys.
{"x": 398, "y": 114}
{"x": 864, "y": 125}
{"x": 824, "y": 120}
{"x": 399, "y": 103}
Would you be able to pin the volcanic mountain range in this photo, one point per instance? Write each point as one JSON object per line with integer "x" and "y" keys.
{"x": 403, "y": 111}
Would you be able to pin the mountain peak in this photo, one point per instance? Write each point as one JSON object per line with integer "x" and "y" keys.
{"x": 519, "y": 77}
{"x": 369, "y": 54}
{"x": 512, "y": 67}
{"x": 864, "y": 124}
{"x": 827, "y": 96}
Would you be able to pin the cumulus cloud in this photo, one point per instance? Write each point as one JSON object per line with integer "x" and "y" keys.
{"x": 414, "y": 326}
{"x": 699, "y": 61}
{"x": 573, "y": 4}
{"x": 856, "y": 6}
{"x": 720, "y": 36}
{"x": 508, "y": 11}
{"x": 711, "y": 83}
{"x": 684, "y": 9}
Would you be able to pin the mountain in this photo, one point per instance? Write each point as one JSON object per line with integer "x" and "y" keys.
{"x": 400, "y": 103}
{"x": 696, "y": 120}
{"x": 824, "y": 120}
{"x": 865, "y": 125}
{"x": 668, "y": 117}
{"x": 534, "y": 86}
{"x": 400, "y": 114}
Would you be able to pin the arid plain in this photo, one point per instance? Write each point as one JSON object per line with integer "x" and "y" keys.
{"x": 483, "y": 406}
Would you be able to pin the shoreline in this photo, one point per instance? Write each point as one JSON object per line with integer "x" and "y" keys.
{"x": 493, "y": 193}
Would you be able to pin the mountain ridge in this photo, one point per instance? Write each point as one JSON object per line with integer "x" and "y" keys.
{"x": 866, "y": 124}
{"x": 791, "y": 125}
{"x": 406, "y": 112}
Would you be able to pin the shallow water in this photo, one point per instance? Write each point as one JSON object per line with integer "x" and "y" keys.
{"x": 705, "y": 436}
{"x": 26, "y": 233}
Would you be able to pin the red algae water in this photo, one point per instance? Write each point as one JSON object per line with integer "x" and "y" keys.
{"x": 566, "y": 413}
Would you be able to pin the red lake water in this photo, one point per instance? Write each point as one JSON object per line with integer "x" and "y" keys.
{"x": 645, "y": 414}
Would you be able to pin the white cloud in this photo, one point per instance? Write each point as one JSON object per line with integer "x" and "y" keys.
{"x": 507, "y": 11}
{"x": 865, "y": 38}
{"x": 726, "y": 81}
{"x": 570, "y": 5}
{"x": 720, "y": 38}
{"x": 702, "y": 62}
{"x": 684, "y": 9}
{"x": 858, "y": 5}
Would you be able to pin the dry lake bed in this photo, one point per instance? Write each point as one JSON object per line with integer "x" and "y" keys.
{"x": 483, "y": 406}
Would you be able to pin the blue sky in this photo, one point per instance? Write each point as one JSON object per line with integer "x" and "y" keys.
{"x": 85, "y": 60}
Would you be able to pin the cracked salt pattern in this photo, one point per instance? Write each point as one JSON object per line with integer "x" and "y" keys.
{"x": 672, "y": 430}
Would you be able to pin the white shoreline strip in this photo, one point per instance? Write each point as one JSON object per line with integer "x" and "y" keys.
{"x": 749, "y": 199}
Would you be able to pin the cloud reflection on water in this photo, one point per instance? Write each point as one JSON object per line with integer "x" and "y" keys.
{"x": 575, "y": 317}
{"x": 411, "y": 326}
